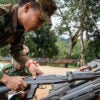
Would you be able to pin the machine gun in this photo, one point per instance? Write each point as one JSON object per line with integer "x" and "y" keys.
{"x": 54, "y": 79}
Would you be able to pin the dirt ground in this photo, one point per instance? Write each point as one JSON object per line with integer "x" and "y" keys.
{"x": 40, "y": 93}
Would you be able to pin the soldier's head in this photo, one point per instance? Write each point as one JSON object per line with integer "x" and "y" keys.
{"x": 33, "y": 13}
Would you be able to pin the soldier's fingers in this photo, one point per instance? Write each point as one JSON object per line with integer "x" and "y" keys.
{"x": 34, "y": 74}
{"x": 21, "y": 94}
{"x": 24, "y": 85}
{"x": 38, "y": 64}
{"x": 20, "y": 88}
{"x": 39, "y": 71}
{"x": 35, "y": 61}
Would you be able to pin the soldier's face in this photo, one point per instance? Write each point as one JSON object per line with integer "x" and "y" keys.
{"x": 30, "y": 18}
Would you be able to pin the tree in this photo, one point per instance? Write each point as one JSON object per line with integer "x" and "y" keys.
{"x": 42, "y": 43}
{"x": 93, "y": 47}
{"x": 78, "y": 17}
{"x": 61, "y": 45}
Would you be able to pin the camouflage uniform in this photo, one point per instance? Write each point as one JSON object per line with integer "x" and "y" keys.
{"x": 12, "y": 71}
{"x": 13, "y": 34}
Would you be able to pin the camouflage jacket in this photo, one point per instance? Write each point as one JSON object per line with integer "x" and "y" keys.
{"x": 11, "y": 33}
{"x": 12, "y": 71}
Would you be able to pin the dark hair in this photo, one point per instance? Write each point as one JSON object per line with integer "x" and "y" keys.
{"x": 32, "y": 2}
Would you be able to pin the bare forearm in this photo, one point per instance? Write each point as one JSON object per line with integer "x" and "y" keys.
{"x": 4, "y": 78}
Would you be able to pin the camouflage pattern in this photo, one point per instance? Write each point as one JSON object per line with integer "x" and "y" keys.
{"x": 11, "y": 33}
{"x": 48, "y": 7}
{"x": 12, "y": 71}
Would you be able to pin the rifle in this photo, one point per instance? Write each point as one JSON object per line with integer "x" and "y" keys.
{"x": 84, "y": 87}
{"x": 54, "y": 79}
{"x": 66, "y": 89}
{"x": 61, "y": 89}
{"x": 85, "y": 93}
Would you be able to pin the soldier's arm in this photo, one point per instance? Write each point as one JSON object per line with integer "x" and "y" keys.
{"x": 17, "y": 50}
{"x": 11, "y": 83}
{"x": 22, "y": 58}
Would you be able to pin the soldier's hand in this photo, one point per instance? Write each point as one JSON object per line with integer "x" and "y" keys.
{"x": 14, "y": 82}
{"x": 34, "y": 69}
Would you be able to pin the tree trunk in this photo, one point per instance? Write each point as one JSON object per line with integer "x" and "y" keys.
{"x": 82, "y": 55}
{"x": 68, "y": 54}
{"x": 73, "y": 41}
{"x": 87, "y": 35}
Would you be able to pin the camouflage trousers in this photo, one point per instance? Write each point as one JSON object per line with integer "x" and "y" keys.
{"x": 12, "y": 71}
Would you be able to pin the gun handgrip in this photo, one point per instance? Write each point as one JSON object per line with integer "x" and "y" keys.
{"x": 32, "y": 91}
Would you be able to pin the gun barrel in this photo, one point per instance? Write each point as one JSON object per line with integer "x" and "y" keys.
{"x": 82, "y": 75}
{"x": 87, "y": 96}
{"x": 77, "y": 94}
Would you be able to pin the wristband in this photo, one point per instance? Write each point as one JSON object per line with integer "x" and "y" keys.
{"x": 32, "y": 63}
{"x": 1, "y": 74}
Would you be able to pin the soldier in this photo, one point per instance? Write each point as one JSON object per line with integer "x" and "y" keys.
{"x": 14, "y": 69}
{"x": 28, "y": 15}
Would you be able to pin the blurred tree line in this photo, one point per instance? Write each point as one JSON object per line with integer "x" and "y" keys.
{"x": 79, "y": 20}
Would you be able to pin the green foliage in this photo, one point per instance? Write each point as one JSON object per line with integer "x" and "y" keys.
{"x": 75, "y": 14}
{"x": 76, "y": 51}
{"x": 93, "y": 47}
{"x": 8, "y": 1}
{"x": 81, "y": 15}
{"x": 42, "y": 43}
{"x": 62, "y": 48}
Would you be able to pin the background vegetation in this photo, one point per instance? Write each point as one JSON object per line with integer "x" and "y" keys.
{"x": 79, "y": 21}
